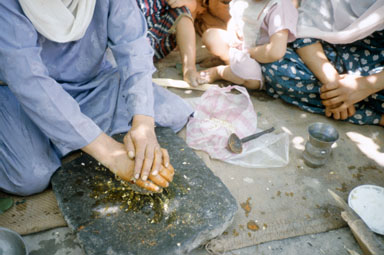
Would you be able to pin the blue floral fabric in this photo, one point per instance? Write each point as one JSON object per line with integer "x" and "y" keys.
{"x": 292, "y": 81}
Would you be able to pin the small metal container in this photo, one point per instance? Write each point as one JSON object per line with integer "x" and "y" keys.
{"x": 318, "y": 147}
{"x": 11, "y": 243}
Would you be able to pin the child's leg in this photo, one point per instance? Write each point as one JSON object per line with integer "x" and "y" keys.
{"x": 186, "y": 41}
{"x": 225, "y": 73}
{"x": 216, "y": 41}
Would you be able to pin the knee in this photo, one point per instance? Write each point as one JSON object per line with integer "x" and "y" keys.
{"x": 28, "y": 185}
{"x": 206, "y": 37}
{"x": 252, "y": 84}
{"x": 28, "y": 181}
{"x": 211, "y": 38}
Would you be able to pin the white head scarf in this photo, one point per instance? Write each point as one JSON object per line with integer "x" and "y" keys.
{"x": 340, "y": 21}
{"x": 60, "y": 20}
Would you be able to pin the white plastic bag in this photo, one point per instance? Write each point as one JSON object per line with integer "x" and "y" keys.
{"x": 218, "y": 114}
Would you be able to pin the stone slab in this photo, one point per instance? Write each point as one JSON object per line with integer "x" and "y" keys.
{"x": 112, "y": 219}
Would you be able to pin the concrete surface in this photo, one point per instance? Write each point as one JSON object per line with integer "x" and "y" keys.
{"x": 62, "y": 241}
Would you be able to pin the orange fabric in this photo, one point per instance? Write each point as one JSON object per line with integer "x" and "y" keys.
{"x": 215, "y": 15}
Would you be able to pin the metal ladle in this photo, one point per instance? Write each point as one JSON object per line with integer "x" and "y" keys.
{"x": 235, "y": 144}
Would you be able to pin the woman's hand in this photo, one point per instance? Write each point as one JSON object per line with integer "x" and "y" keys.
{"x": 114, "y": 156}
{"x": 340, "y": 95}
{"x": 141, "y": 144}
{"x": 347, "y": 90}
{"x": 162, "y": 179}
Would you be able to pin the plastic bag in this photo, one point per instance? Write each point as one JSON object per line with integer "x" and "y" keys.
{"x": 218, "y": 114}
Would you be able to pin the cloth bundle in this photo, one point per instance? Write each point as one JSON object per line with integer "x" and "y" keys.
{"x": 219, "y": 113}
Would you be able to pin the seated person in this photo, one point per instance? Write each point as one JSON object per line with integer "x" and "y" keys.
{"x": 170, "y": 24}
{"x": 339, "y": 73}
{"x": 258, "y": 32}
{"x": 60, "y": 94}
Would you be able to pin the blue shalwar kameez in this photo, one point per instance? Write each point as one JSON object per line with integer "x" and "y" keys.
{"x": 60, "y": 96}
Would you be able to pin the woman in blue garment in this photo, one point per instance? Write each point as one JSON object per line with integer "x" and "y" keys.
{"x": 343, "y": 80}
{"x": 60, "y": 94}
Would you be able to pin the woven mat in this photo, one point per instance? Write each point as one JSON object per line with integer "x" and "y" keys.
{"x": 32, "y": 214}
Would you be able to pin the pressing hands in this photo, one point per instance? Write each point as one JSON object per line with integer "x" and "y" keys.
{"x": 152, "y": 169}
{"x": 140, "y": 159}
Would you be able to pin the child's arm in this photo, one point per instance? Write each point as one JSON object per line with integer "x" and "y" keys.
{"x": 272, "y": 51}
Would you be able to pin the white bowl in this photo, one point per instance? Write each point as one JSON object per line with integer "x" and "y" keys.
{"x": 368, "y": 202}
{"x": 11, "y": 243}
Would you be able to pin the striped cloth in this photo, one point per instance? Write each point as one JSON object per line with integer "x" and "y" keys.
{"x": 161, "y": 21}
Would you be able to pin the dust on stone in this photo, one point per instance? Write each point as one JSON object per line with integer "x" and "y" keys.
{"x": 114, "y": 191}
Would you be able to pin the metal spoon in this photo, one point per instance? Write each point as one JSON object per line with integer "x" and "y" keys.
{"x": 235, "y": 144}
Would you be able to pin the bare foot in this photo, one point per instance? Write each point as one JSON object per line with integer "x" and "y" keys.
{"x": 211, "y": 75}
{"x": 338, "y": 113}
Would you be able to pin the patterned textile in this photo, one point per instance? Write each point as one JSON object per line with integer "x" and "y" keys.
{"x": 291, "y": 80}
{"x": 161, "y": 22}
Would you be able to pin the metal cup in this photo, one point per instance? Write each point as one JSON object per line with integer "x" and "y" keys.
{"x": 11, "y": 243}
{"x": 318, "y": 147}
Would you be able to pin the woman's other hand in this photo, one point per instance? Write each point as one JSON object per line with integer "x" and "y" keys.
{"x": 340, "y": 95}
{"x": 162, "y": 179}
{"x": 112, "y": 155}
{"x": 141, "y": 144}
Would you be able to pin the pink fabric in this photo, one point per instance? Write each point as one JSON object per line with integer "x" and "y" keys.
{"x": 218, "y": 114}
{"x": 282, "y": 15}
{"x": 244, "y": 66}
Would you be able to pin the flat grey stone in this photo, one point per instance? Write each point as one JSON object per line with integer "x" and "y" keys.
{"x": 110, "y": 218}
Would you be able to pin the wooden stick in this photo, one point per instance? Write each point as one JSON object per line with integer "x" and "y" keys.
{"x": 164, "y": 82}
{"x": 367, "y": 240}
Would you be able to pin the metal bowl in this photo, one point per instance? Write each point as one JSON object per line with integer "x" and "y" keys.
{"x": 323, "y": 133}
{"x": 11, "y": 243}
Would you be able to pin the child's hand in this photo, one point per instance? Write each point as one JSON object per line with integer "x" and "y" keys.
{"x": 190, "y": 4}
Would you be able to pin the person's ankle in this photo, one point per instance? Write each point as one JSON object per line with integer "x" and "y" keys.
{"x": 188, "y": 69}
